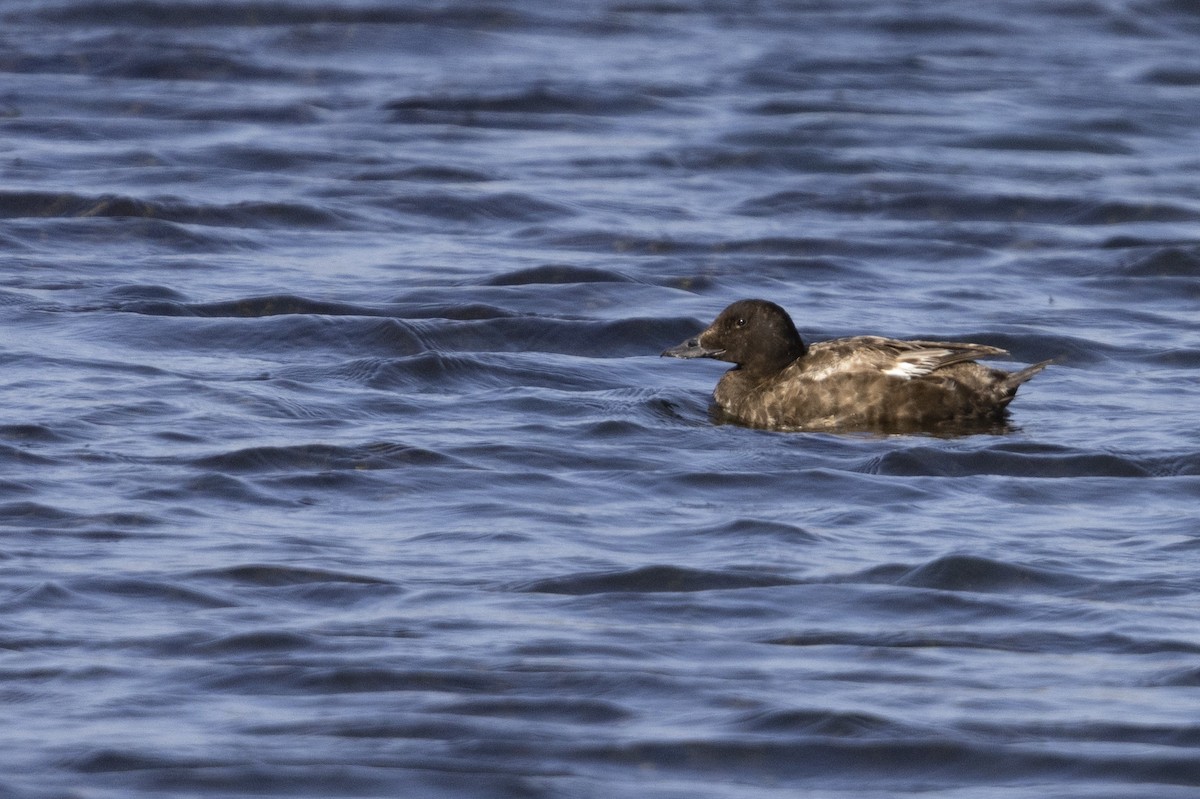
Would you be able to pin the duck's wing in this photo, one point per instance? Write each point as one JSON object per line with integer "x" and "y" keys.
{"x": 893, "y": 357}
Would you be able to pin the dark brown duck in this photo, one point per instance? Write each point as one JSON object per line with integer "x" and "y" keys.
{"x": 859, "y": 383}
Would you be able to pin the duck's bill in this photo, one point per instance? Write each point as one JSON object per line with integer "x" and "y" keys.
{"x": 691, "y": 349}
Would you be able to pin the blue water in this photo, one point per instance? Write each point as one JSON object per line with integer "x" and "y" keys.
{"x": 337, "y": 459}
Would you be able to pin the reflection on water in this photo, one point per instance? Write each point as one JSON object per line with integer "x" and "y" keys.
{"x": 950, "y": 428}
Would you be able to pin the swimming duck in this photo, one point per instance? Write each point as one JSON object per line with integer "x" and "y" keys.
{"x": 860, "y": 383}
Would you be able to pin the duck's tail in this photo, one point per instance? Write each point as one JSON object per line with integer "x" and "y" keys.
{"x": 1015, "y": 379}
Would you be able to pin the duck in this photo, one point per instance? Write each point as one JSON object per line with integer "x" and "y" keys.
{"x": 860, "y": 383}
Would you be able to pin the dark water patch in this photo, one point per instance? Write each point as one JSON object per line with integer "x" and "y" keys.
{"x": 121, "y": 58}
{"x": 1188, "y": 677}
{"x": 466, "y": 311}
{"x": 498, "y": 343}
{"x": 18, "y": 204}
{"x": 257, "y": 13}
{"x": 761, "y": 151}
{"x": 246, "y": 308}
{"x": 979, "y": 574}
{"x": 848, "y": 258}
{"x": 13, "y": 300}
{"x": 1044, "y": 462}
{"x": 747, "y": 485}
{"x": 1047, "y": 143}
{"x": 116, "y": 760}
{"x": 573, "y": 710}
{"x": 1172, "y": 75}
{"x": 319, "y": 597}
{"x": 616, "y": 430}
{"x": 1026, "y": 640}
{"x": 1186, "y": 465}
{"x": 246, "y": 214}
{"x": 545, "y": 463}
{"x": 256, "y": 214}
{"x": 167, "y": 774}
{"x": 355, "y": 679}
{"x": 141, "y": 235}
{"x": 804, "y": 268}
{"x": 267, "y": 159}
{"x": 536, "y": 107}
{"x": 341, "y": 482}
{"x": 388, "y": 336}
{"x": 36, "y": 362}
{"x": 20, "y": 454}
{"x": 35, "y": 514}
{"x": 822, "y": 107}
{"x": 825, "y": 723}
{"x": 413, "y": 729}
{"x": 431, "y": 173}
{"x": 296, "y": 339}
{"x": 556, "y": 274}
{"x": 651, "y": 7}
{"x": 124, "y": 56}
{"x": 743, "y": 527}
{"x": 322, "y": 457}
{"x": 536, "y": 652}
{"x": 784, "y": 71}
{"x": 615, "y": 241}
{"x": 946, "y": 24}
{"x": 1127, "y": 242}
{"x": 272, "y": 114}
{"x": 1164, "y": 262}
{"x": 466, "y": 374}
{"x": 160, "y": 593}
{"x": 505, "y": 207}
{"x": 143, "y": 293}
{"x": 890, "y": 597}
{"x": 959, "y": 205}
{"x": 1181, "y": 736}
{"x": 44, "y": 595}
{"x": 267, "y": 575}
{"x": 1044, "y": 344}
{"x": 460, "y": 538}
{"x": 257, "y": 642}
{"x": 831, "y": 758}
{"x": 1182, "y": 358}
{"x": 222, "y": 488}
{"x": 14, "y": 488}
{"x": 652, "y": 579}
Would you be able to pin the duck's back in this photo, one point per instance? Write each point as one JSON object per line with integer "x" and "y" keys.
{"x": 869, "y": 382}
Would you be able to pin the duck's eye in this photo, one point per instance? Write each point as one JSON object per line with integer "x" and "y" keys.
{"x": 741, "y": 322}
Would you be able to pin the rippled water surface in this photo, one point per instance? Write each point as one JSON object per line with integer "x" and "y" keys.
{"x": 337, "y": 458}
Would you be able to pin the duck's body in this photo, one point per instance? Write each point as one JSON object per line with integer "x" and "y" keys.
{"x": 860, "y": 383}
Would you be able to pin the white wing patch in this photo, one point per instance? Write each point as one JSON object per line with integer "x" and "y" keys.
{"x": 905, "y": 370}
{"x": 903, "y": 360}
{"x": 917, "y": 364}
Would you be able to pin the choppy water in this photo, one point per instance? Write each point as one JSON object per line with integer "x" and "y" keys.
{"x": 338, "y": 461}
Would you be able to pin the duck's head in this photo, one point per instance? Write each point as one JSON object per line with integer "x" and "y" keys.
{"x": 754, "y": 334}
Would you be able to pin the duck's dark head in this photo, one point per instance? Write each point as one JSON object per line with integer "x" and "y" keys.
{"x": 755, "y": 334}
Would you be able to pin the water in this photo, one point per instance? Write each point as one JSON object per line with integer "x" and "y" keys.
{"x": 338, "y": 459}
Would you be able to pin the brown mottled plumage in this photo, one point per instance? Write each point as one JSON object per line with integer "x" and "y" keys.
{"x": 860, "y": 383}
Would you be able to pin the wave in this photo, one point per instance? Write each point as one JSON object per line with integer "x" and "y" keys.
{"x": 270, "y": 575}
{"x": 256, "y": 13}
{"x": 653, "y": 579}
{"x": 967, "y": 206}
{"x": 476, "y": 208}
{"x": 308, "y": 457}
{"x": 540, "y": 106}
{"x": 1016, "y": 460}
{"x": 247, "y": 214}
